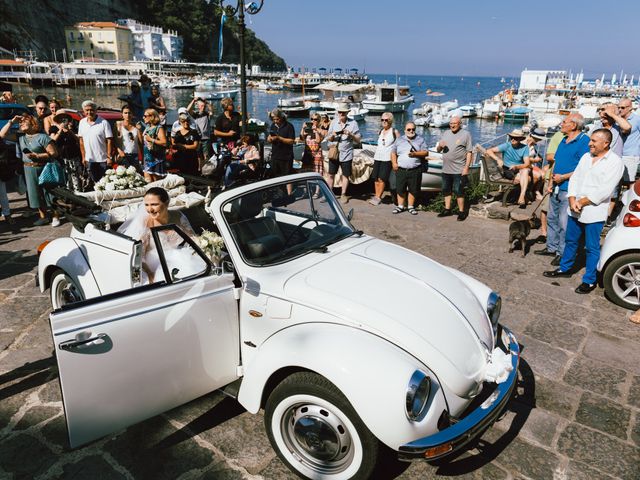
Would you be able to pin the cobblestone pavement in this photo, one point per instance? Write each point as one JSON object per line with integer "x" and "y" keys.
{"x": 576, "y": 416}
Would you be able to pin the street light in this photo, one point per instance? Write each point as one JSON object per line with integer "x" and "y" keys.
{"x": 251, "y": 8}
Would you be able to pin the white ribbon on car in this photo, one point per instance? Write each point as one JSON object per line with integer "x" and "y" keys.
{"x": 499, "y": 367}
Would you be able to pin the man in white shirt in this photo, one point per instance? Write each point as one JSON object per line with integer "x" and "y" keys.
{"x": 96, "y": 141}
{"x": 590, "y": 189}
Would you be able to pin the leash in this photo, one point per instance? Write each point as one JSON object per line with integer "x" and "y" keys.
{"x": 539, "y": 203}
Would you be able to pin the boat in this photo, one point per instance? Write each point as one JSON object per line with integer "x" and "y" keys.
{"x": 470, "y": 110}
{"x": 216, "y": 94}
{"x": 491, "y": 108}
{"x": 183, "y": 84}
{"x": 335, "y": 94}
{"x": 389, "y": 97}
{"x": 518, "y": 113}
{"x": 357, "y": 113}
{"x": 297, "y": 106}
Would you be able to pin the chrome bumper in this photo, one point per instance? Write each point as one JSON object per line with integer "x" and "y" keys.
{"x": 457, "y": 435}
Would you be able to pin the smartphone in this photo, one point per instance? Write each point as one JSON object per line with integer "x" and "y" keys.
{"x": 26, "y": 150}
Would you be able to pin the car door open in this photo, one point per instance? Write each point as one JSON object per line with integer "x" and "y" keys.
{"x": 131, "y": 355}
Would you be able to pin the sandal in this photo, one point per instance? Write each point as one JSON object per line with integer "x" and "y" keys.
{"x": 397, "y": 209}
{"x": 412, "y": 211}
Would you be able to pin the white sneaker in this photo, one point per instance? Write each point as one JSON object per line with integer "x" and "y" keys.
{"x": 55, "y": 222}
{"x": 374, "y": 201}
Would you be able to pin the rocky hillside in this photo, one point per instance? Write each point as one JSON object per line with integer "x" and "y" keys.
{"x": 39, "y": 25}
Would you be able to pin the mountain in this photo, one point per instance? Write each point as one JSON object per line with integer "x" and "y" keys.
{"x": 38, "y": 25}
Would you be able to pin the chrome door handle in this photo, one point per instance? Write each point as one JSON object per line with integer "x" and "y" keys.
{"x": 71, "y": 344}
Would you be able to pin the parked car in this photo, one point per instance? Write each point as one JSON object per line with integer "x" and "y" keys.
{"x": 619, "y": 264}
{"x": 352, "y": 345}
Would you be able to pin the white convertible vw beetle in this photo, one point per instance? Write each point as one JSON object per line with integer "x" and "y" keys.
{"x": 351, "y": 344}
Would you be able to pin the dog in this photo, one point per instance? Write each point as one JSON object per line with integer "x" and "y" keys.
{"x": 519, "y": 231}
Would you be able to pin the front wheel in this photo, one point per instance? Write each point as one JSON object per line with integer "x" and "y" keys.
{"x": 316, "y": 432}
{"x": 64, "y": 290}
{"x": 622, "y": 281}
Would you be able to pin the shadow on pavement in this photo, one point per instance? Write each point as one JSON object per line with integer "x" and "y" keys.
{"x": 24, "y": 265}
{"x": 224, "y": 410}
{"x": 33, "y": 375}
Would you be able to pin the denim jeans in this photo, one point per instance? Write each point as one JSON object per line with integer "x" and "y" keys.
{"x": 591, "y": 232}
{"x": 4, "y": 199}
{"x": 557, "y": 221}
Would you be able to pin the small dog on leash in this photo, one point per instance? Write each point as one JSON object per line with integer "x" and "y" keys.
{"x": 519, "y": 231}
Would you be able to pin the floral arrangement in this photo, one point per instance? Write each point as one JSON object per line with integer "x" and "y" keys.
{"x": 211, "y": 244}
{"x": 120, "y": 178}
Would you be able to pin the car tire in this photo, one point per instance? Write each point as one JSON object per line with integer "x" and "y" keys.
{"x": 316, "y": 432}
{"x": 619, "y": 278}
{"x": 64, "y": 290}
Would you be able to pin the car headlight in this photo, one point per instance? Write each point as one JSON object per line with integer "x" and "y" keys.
{"x": 494, "y": 305}
{"x": 417, "y": 395}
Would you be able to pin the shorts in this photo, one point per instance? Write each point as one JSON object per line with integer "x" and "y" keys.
{"x": 452, "y": 182}
{"x": 281, "y": 167}
{"x": 345, "y": 167}
{"x": 630, "y": 168}
{"x": 408, "y": 179}
{"x": 381, "y": 170}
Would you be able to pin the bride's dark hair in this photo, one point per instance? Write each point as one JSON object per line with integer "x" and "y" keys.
{"x": 159, "y": 192}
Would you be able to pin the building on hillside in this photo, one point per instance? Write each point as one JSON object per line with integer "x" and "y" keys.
{"x": 99, "y": 41}
{"x": 152, "y": 43}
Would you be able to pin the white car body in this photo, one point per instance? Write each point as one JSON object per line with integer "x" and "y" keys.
{"x": 619, "y": 263}
{"x": 364, "y": 314}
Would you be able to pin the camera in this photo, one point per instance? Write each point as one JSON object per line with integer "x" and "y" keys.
{"x": 308, "y": 128}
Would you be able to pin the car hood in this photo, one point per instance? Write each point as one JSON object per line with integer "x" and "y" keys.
{"x": 411, "y": 300}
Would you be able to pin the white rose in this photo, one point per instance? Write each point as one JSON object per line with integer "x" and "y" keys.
{"x": 109, "y": 187}
{"x": 120, "y": 170}
{"x": 131, "y": 170}
{"x": 109, "y": 171}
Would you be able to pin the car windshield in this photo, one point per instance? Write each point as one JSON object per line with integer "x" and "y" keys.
{"x": 280, "y": 222}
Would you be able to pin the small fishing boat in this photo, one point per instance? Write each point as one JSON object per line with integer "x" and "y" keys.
{"x": 357, "y": 113}
{"x": 389, "y": 98}
{"x": 216, "y": 95}
{"x": 518, "y": 113}
{"x": 297, "y": 106}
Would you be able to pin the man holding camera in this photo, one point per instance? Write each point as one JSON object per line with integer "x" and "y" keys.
{"x": 342, "y": 134}
{"x": 281, "y": 137}
{"x": 202, "y": 116}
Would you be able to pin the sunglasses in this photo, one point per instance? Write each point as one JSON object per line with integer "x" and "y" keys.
{"x": 409, "y": 129}
{"x": 146, "y": 115}
{"x": 385, "y": 120}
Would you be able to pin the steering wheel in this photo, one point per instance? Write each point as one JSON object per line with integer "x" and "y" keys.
{"x": 297, "y": 229}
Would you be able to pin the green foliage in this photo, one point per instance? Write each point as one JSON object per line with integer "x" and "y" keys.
{"x": 198, "y": 22}
{"x": 473, "y": 193}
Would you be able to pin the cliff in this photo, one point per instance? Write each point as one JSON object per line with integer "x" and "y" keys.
{"x": 39, "y": 25}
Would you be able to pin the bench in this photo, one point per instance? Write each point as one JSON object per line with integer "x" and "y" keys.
{"x": 492, "y": 176}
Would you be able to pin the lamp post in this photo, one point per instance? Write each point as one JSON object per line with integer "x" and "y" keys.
{"x": 251, "y": 8}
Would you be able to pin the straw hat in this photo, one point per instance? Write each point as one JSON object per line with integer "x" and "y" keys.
{"x": 517, "y": 133}
{"x": 61, "y": 116}
{"x": 343, "y": 107}
{"x": 538, "y": 134}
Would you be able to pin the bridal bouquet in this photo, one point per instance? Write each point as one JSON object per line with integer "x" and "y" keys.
{"x": 120, "y": 178}
{"x": 211, "y": 244}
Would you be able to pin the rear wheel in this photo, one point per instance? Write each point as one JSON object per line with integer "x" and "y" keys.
{"x": 316, "y": 432}
{"x": 622, "y": 281}
{"x": 64, "y": 290}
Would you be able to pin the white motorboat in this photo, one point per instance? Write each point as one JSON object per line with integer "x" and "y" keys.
{"x": 389, "y": 98}
{"x": 297, "y": 106}
{"x": 491, "y": 108}
{"x": 216, "y": 94}
{"x": 182, "y": 84}
{"x": 470, "y": 110}
{"x": 357, "y": 113}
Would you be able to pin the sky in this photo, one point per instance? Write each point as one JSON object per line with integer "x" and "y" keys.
{"x": 484, "y": 38}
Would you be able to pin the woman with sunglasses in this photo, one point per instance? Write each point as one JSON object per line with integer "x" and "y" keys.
{"x": 155, "y": 147}
{"x": 129, "y": 140}
{"x": 382, "y": 157}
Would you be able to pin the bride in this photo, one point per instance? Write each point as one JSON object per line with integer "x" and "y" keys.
{"x": 154, "y": 213}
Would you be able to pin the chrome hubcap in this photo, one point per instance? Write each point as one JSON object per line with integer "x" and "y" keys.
{"x": 626, "y": 283}
{"x": 317, "y": 437}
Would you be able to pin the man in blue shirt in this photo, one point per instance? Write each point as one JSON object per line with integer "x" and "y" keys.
{"x": 571, "y": 149}
{"x": 514, "y": 162}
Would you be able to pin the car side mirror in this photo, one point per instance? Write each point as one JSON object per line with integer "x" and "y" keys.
{"x": 350, "y": 215}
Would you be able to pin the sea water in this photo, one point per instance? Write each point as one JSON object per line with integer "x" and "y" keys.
{"x": 464, "y": 89}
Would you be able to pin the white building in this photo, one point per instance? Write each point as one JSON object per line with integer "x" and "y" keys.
{"x": 152, "y": 43}
{"x": 539, "y": 80}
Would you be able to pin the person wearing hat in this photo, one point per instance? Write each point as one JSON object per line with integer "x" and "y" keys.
{"x": 515, "y": 161}
{"x": 536, "y": 136}
{"x": 570, "y": 150}
{"x": 68, "y": 146}
{"x": 176, "y": 125}
{"x": 342, "y": 133}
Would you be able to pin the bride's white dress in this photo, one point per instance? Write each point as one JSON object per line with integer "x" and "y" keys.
{"x": 177, "y": 255}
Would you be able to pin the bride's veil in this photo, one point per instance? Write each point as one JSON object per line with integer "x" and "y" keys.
{"x": 136, "y": 225}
